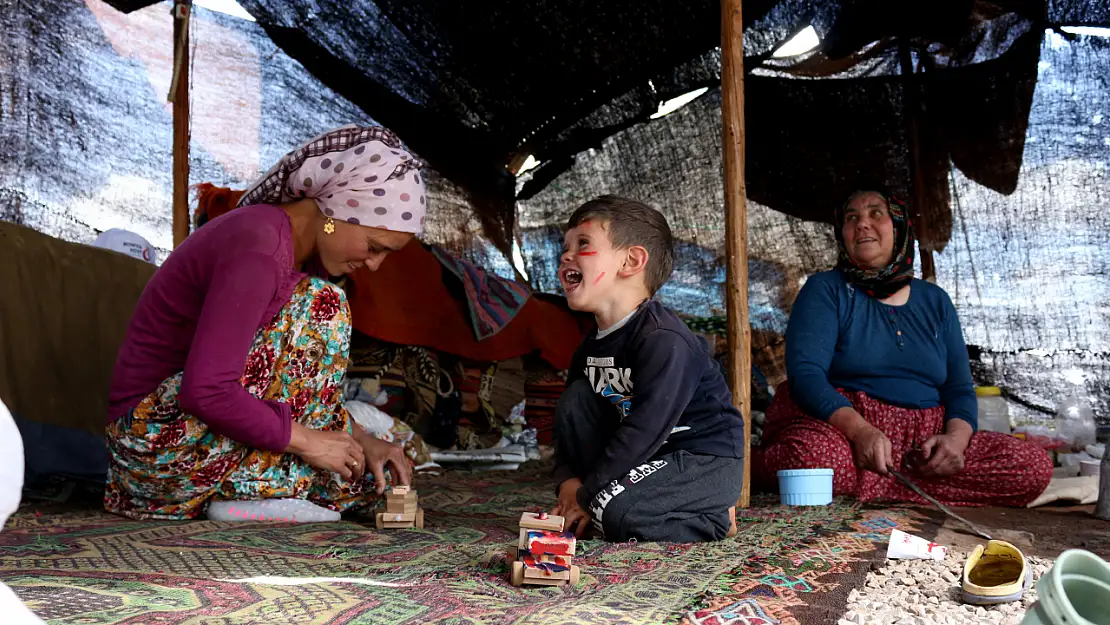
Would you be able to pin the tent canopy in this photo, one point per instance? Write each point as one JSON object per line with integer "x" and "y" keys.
{"x": 473, "y": 88}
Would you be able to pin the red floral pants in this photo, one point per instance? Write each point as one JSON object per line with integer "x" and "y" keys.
{"x": 999, "y": 470}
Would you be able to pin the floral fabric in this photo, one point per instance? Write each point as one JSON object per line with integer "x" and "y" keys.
{"x": 166, "y": 464}
{"x": 999, "y": 470}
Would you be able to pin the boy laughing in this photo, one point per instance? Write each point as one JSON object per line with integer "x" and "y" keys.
{"x": 648, "y": 444}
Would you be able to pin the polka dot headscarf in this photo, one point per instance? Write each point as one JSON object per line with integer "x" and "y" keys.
{"x": 361, "y": 175}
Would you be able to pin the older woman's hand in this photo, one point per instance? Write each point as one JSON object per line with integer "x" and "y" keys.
{"x": 871, "y": 447}
{"x": 873, "y": 450}
{"x": 944, "y": 453}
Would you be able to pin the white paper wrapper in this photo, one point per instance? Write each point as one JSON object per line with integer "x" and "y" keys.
{"x": 903, "y": 546}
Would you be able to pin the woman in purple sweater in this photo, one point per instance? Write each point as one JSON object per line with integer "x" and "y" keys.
{"x": 228, "y": 384}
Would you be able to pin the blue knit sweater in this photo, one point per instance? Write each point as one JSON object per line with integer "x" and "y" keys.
{"x": 840, "y": 337}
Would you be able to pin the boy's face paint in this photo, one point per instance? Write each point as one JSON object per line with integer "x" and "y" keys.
{"x": 588, "y": 257}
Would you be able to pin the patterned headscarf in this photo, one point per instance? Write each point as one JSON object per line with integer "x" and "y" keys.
{"x": 361, "y": 175}
{"x": 886, "y": 281}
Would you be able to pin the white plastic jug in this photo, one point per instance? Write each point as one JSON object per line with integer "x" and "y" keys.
{"x": 994, "y": 412}
{"x": 1075, "y": 423}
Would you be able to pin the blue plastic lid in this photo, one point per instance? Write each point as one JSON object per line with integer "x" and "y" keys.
{"x": 805, "y": 472}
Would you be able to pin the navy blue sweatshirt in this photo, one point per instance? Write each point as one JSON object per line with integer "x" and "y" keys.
{"x": 667, "y": 391}
{"x": 840, "y": 337}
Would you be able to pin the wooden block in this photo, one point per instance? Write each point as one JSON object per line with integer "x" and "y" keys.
{"x": 537, "y": 570}
{"x": 522, "y": 545}
{"x": 532, "y": 521}
{"x": 410, "y": 497}
{"x": 540, "y": 542}
{"x": 390, "y": 521}
{"x": 560, "y": 560}
{"x": 400, "y": 490}
{"x": 393, "y": 507}
{"x": 530, "y": 573}
{"x": 536, "y": 581}
{"x": 517, "y": 577}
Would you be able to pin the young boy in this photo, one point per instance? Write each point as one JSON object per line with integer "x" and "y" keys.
{"x": 648, "y": 443}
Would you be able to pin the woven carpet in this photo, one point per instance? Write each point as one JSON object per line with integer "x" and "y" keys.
{"x": 797, "y": 565}
{"x": 76, "y": 565}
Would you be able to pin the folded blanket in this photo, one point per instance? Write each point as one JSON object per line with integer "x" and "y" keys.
{"x": 493, "y": 301}
{"x": 1076, "y": 490}
{"x": 413, "y": 299}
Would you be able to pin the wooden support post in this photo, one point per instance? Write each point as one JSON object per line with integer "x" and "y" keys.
{"x": 911, "y": 104}
{"x": 736, "y": 225}
{"x": 1102, "y": 509}
{"x": 179, "y": 96}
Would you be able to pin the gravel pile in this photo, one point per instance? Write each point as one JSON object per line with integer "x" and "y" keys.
{"x": 924, "y": 592}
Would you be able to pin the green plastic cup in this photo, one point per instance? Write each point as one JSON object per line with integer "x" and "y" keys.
{"x": 1075, "y": 591}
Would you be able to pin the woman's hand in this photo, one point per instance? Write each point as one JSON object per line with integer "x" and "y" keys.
{"x": 871, "y": 447}
{"x": 380, "y": 453}
{"x": 575, "y": 518}
{"x": 873, "y": 450}
{"x": 944, "y": 453}
{"x": 331, "y": 451}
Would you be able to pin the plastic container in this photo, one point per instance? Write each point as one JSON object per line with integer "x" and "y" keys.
{"x": 1041, "y": 436}
{"x": 1075, "y": 591}
{"x": 1073, "y": 460}
{"x": 1090, "y": 467}
{"x": 1075, "y": 423}
{"x": 994, "y": 412}
{"x": 806, "y": 487}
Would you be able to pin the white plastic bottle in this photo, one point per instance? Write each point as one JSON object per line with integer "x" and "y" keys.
{"x": 994, "y": 412}
{"x": 1075, "y": 422}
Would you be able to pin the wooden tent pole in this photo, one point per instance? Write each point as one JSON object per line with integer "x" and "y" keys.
{"x": 736, "y": 224}
{"x": 179, "y": 96}
{"x": 1102, "y": 508}
{"x": 911, "y": 104}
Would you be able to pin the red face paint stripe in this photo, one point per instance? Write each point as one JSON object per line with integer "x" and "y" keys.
{"x": 599, "y": 277}
{"x": 587, "y": 253}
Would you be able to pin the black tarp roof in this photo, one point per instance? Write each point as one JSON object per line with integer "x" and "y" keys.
{"x": 472, "y": 85}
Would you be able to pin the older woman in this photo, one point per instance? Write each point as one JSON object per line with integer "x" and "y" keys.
{"x": 228, "y": 385}
{"x": 878, "y": 378}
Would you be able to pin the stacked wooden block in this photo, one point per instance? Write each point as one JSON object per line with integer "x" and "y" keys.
{"x": 401, "y": 510}
{"x": 544, "y": 553}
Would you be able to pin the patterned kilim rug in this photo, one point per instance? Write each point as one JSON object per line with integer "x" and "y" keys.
{"x": 797, "y": 565}
{"x": 76, "y": 565}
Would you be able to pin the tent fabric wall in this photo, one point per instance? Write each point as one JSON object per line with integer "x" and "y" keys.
{"x": 472, "y": 90}
{"x": 1020, "y": 167}
{"x": 86, "y": 134}
{"x": 1026, "y": 266}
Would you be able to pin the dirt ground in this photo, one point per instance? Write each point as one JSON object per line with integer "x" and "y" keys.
{"x": 1053, "y": 529}
{"x": 921, "y": 592}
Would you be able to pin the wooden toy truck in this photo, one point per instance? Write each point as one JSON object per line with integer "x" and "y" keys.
{"x": 544, "y": 554}
{"x": 401, "y": 510}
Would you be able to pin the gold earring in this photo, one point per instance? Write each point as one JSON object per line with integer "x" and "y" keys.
{"x": 329, "y": 226}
